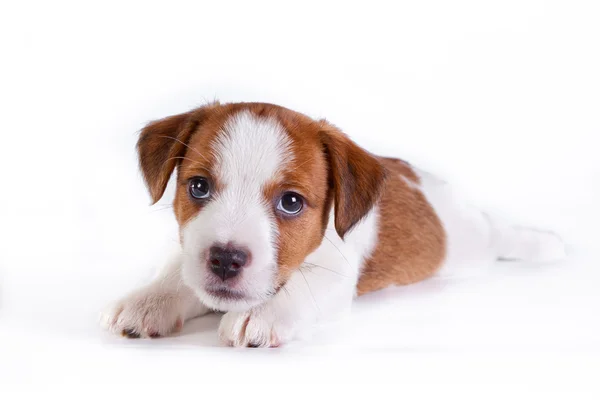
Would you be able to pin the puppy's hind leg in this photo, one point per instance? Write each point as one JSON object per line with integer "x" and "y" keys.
{"x": 515, "y": 243}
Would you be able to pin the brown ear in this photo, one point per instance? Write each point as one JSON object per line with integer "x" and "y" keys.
{"x": 356, "y": 177}
{"x": 160, "y": 145}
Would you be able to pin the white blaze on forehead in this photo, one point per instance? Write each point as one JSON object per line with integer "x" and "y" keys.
{"x": 251, "y": 150}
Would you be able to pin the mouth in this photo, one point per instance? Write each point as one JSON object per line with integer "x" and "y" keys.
{"x": 222, "y": 298}
{"x": 225, "y": 294}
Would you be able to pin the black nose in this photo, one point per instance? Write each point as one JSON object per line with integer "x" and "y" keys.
{"x": 226, "y": 262}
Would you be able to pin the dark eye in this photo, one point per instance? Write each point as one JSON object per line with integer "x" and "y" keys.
{"x": 199, "y": 188}
{"x": 290, "y": 203}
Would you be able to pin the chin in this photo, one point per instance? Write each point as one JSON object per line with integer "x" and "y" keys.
{"x": 252, "y": 286}
{"x": 231, "y": 295}
{"x": 225, "y": 300}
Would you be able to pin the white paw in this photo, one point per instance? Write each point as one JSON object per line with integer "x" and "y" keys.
{"x": 254, "y": 328}
{"x": 148, "y": 312}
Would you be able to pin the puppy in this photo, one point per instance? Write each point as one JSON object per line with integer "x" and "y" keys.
{"x": 283, "y": 220}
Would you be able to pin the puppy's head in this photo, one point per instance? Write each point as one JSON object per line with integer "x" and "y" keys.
{"x": 255, "y": 187}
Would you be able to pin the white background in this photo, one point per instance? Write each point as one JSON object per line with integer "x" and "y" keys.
{"x": 502, "y": 97}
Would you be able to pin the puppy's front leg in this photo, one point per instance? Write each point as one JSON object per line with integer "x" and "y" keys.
{"x": 312, "y": 294}
{"x": 156, "y": 309}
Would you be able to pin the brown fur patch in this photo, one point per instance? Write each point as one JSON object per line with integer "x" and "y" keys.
{"x": 159, "y": 145}
{"x": 199, "y": 160}
{"x": 356, "y": 177}
{"x": 412, "y": 240}
{"x": 307, "y": 176}
{"x": 174, "y": 141}
{"x": 328, "y": 168}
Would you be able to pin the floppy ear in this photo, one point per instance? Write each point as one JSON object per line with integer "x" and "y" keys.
{"x": 159, "y": 146}
{"x": 356, "y": 177}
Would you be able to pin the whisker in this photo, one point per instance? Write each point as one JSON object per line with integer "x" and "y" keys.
{"x": 183, "y": 158}
{"x": 163, "y": 205}
{"x": 309, "y": 290}
{"x": 286, "y": 291}
{"x": 189, "y": 147}
{"x": 337, "y": 248}
{"x": 301, "y": 165}
{"x": 162, "y": 208}
{"x": 328, "y": 269}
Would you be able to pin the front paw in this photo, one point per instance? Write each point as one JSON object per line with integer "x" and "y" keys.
{"x": 254, "y": 328}
{"x": 148, "y": 312}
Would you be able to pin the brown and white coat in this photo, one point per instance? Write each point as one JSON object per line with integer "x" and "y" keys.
{"x": 365, "y": 223}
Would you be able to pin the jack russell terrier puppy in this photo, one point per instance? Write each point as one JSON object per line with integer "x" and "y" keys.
{"x": 283, "y": 220}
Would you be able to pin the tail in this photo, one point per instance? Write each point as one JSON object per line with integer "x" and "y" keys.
{"x": 515, "y": 243}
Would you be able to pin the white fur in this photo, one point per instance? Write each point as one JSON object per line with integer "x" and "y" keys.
{"x": 320, "y": 291}
{"x": 250, "y": 152}
{"x": 158, "y": 308}
{"x": 475, "y": 239}
{"x": 253, "y": 150}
